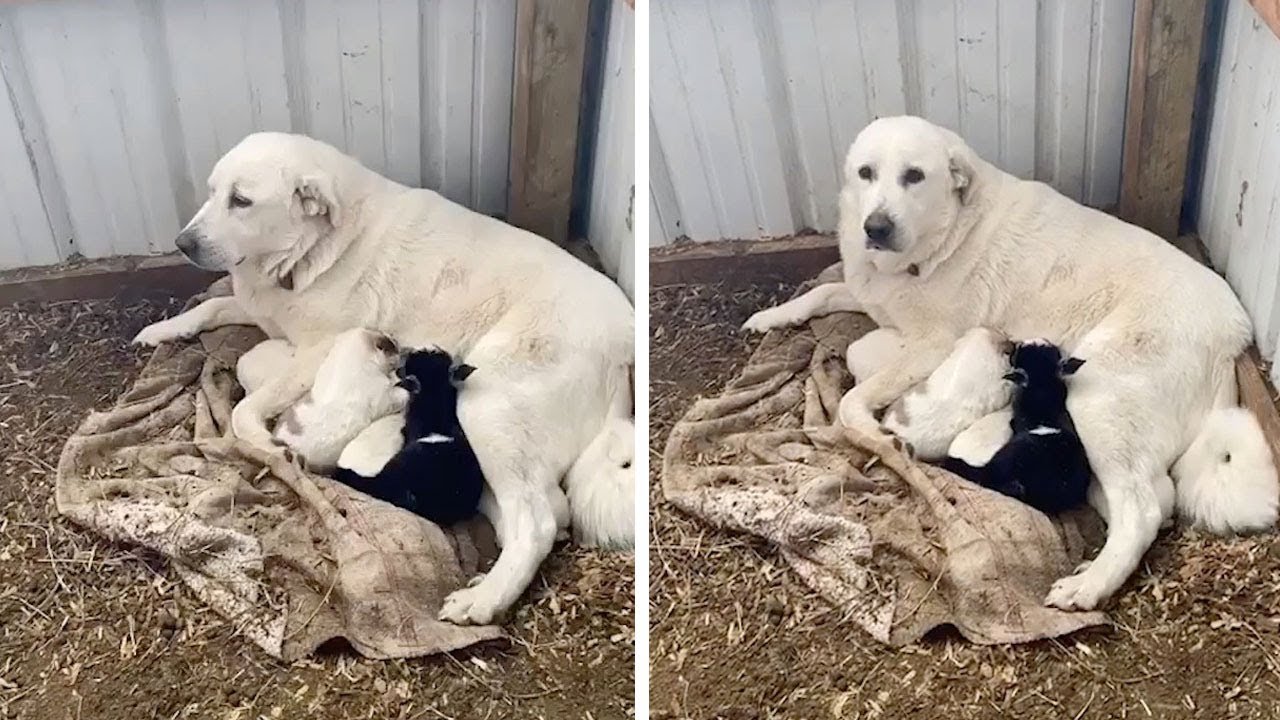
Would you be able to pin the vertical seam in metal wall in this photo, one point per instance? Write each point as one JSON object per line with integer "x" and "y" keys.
{"x": 292, "y": 25}
{"x": 34, "y": 139}
{"x": 473, "y": 132}
{"x": 908, "y": 57}
{"x": 1087, "y": 180}
{"x": 176, "y": 161}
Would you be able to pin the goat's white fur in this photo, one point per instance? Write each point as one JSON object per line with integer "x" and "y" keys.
{"x": 979, "y": 247}
{"x": 968, "y": 385}
{"x": 979, "y": 442}
{"x": 355, "y": 385}
{"x": 329, "y": 245}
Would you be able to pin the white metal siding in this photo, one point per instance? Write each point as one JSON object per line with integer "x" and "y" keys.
{"x": 609, "y": 221}
{"x": 753, "y": 103}
{"x": 1239, "y": 219}
{"x": 114, "y": 111}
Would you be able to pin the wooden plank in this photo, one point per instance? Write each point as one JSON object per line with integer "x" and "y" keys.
{"x": 127, "y": 278}
{"x": 1256, "y": 396}
{"x": 1164, "y": 60}
{"x": 1270, "y": 12}
{"x": 551, "y": 39}
{"x": 743, "y": 262}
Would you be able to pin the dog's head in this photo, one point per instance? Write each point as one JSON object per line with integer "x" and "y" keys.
{"x": 906, "y": 181}
{"x": 273, "y": 201}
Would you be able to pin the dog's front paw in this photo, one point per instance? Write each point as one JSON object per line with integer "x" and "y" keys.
{"x": 1082, "y": 591}
{"x": 472, "y": 605}
{"x": 159, "y": 332}
{"x": 767, "y": 320}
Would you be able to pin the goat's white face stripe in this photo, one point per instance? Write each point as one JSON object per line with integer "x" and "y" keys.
{"x": 435, "y": 438}
{"x": 1045, "y": 430}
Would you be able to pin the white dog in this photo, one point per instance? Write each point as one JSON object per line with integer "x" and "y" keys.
{"x": 936, "y": 241}
{"x": 967, "y": 386}
{"x": 316, "y": 244}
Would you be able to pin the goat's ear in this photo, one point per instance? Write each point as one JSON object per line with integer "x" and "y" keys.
{"x": 462, "y": 372}
{"x": 1070, "y": 366}
{"x": 410, "y": 383}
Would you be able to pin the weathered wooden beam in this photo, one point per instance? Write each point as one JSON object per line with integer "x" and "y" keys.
{"x": 1270, "y": 12}
{"x": 741, "y": 262}
{"x": 1163, "y": 64}
{"x": 1256, "y": 397}
{"x": 125, "y": 278}
{"x": 551, "y": 40}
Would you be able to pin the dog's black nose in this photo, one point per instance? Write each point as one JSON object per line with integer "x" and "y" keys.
{"x": 879, "y": 228}
{"x": 187, "y": 241}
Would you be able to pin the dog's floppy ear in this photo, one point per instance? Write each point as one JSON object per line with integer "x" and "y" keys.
{"x": 317, "y": 195}
{"x": 1069, "y": 366}
{"x": 962, "y": 162}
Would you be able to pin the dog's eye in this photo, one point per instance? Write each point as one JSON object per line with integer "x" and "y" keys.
{"x": 912, "y": 176}
{"x": 865, "y": 172}
{"x": 240, "y": 201}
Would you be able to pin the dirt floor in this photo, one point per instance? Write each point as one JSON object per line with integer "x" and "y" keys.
{"x": 93, "y": 630}
{"x": 735, "y": 635}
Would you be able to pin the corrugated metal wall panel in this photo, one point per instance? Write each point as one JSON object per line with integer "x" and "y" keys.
{"x": 114, "y": 112}
{"x": 609, "y": 220}
{"x": 754, "y": 102}
{"x": 1239, "y": 218}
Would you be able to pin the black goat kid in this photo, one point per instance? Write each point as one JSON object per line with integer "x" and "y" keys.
{"x": 435, "y": 474}
{"x": 1044, "y": 464}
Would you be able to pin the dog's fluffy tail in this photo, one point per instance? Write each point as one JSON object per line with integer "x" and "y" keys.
{"x": 1226, "y": 480}
{"x": 601, "y": 483}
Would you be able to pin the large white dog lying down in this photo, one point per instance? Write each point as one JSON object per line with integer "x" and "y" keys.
{"x": 936, "y": 241}
{"x": 316, "y": 244}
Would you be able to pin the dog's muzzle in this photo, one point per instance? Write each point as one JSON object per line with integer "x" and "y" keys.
{"x": 188, "y": 242}
{"x": 879, "y": 228}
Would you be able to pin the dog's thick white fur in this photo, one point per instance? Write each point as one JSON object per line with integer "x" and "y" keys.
{"x": 970, "y": 245}
{"x": 966, "y": 387}
{"x": 1226, "y": 481}
{"x": 355, "y": 385}
{"x": 316, "y": 244}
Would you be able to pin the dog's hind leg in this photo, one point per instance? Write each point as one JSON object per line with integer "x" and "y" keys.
{"x": 517, "y": 476}
{"x": 822, "y": 300}
{"x": 1127, "y": 473}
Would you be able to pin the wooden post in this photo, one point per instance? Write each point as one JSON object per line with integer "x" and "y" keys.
{"x": 551, "y": 39}
{"x": 1163, "y": 64}
{"x": 1269, "y": 10}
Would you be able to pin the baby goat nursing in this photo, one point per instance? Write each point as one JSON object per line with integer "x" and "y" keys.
{"x": 435, "y": 474}
{"x": 1044, "y": 463}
